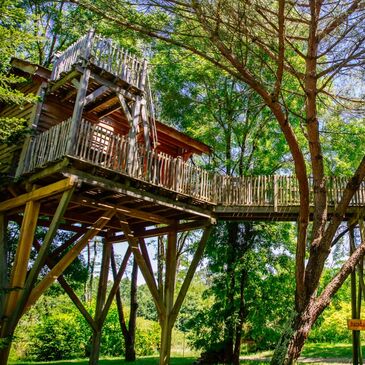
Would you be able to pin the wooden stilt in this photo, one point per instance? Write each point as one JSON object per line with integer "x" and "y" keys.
{"x": 170, "y": 276}
{"x": 355, "y": 334}
{"x": 18, "y": 274}
{"x": 191, "y": 271}
{"x": 164, "y": 299}
{"x": 150, "y": 280}
{"x": 100, "y": 301}
{"x": 40, "y": 260}
{"x": 117, "y": 279}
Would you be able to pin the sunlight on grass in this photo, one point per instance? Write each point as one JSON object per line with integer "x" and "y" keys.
{"x": 114, "y": 361}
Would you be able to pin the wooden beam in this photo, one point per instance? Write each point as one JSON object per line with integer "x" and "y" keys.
{"x": 130, "y": 212}
{"x": 150, "y": 280}
{"x": 20, "y": 266}
{"x": 78, "y": 110}
{"x": 160, "y": 231}
{"x": 57, "y": 251}
{"x": 68, "y": 290}
{"x": 40, "y": 260}
{"x": 117, "y": 279}
{"x": 70, "y": 256}
{"x": 38, "y": 194}
{"x": 95, "y": 94}
{"x": 125, "y": 107}
{"x": 104, "y": 183}
{"x": 53, "y": 87}
{"x": 190, "y": 274}
{"x": 50, "y": 170}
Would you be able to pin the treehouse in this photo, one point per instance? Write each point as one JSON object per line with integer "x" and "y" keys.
{"x": 98, "y": 163}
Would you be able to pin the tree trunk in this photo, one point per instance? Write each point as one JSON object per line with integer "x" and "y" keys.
{"x": 241, "y": 320}
{"x": 292, "y": 341}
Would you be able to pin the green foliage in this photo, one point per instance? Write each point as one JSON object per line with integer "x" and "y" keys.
{"x": 268, "y": 288}
{"x": 54, "y": 330}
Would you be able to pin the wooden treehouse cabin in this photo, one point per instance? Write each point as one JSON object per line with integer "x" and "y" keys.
{"x": 98, "y": 163}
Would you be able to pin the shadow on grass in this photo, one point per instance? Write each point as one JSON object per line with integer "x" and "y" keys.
{"x": 142, "y": 361}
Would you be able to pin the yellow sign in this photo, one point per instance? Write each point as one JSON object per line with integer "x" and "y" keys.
{"x": 356, "y": 324}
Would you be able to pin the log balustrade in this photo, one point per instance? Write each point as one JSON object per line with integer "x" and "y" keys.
{"x": 106, "y": 149}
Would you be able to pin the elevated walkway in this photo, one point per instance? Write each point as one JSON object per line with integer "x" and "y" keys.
{"x": 104, "y": 153}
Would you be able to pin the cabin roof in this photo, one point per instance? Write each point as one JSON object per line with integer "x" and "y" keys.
{"x": 166, "y": 134}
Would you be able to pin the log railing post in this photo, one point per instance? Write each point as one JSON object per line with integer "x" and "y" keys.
{"x": 275, "y": 193}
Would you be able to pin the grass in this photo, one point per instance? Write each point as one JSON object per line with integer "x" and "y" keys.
{"x": 142, "y": 361}
{"x": 311, "y": 350}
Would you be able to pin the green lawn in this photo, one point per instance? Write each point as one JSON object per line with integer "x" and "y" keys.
{"x": 142, "y": 361}
{"x": 328, "y": 350}
{"x": 312, "y": 350}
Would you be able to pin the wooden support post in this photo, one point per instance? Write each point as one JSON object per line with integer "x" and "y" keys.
{"x": 150, "y": 280}
{"x": 66, "y": 260}
{"x": 170, "y": 275}
{"x": 18, "y": 274}
{"x": 38, "y": 194}
{"x": 41, "y": 258}
{"x": 355, "y": 334}
{"x": 20, "y": 265}
{"x": 117, "y": 279}
{"x": 191, "y": 271}
{"x": 78, "y": 110}
{"x": 100, "y": 301}
{"x": 32, "y": 122}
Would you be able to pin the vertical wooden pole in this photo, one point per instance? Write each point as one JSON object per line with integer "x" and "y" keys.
{"x": 18, "y": 274}
{"x": 170, "y": 276}
{"x": 20, "y": 265}
{"x": 355, "y": 334}
{"x": 81, "y": 96}
{"x": 100, "y": 301}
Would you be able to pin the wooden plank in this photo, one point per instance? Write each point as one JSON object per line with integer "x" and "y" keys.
{"x": 95, "y": 94}
{"x": 38, "y": 194}
{"x": 70, "y": 256}
{"x": 183, "y": 227}
{"x": 53, "y": 87}
{"x": 135, "y": 213}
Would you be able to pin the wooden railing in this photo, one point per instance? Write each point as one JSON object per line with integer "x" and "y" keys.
{"x": 103, "y": 53}
{"x": 106, "y": 149}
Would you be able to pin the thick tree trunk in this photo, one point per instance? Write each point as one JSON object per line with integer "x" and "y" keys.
{"x": 292, "y": 341}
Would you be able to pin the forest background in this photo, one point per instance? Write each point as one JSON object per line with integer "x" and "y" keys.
{"x": 245, "y": 283}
